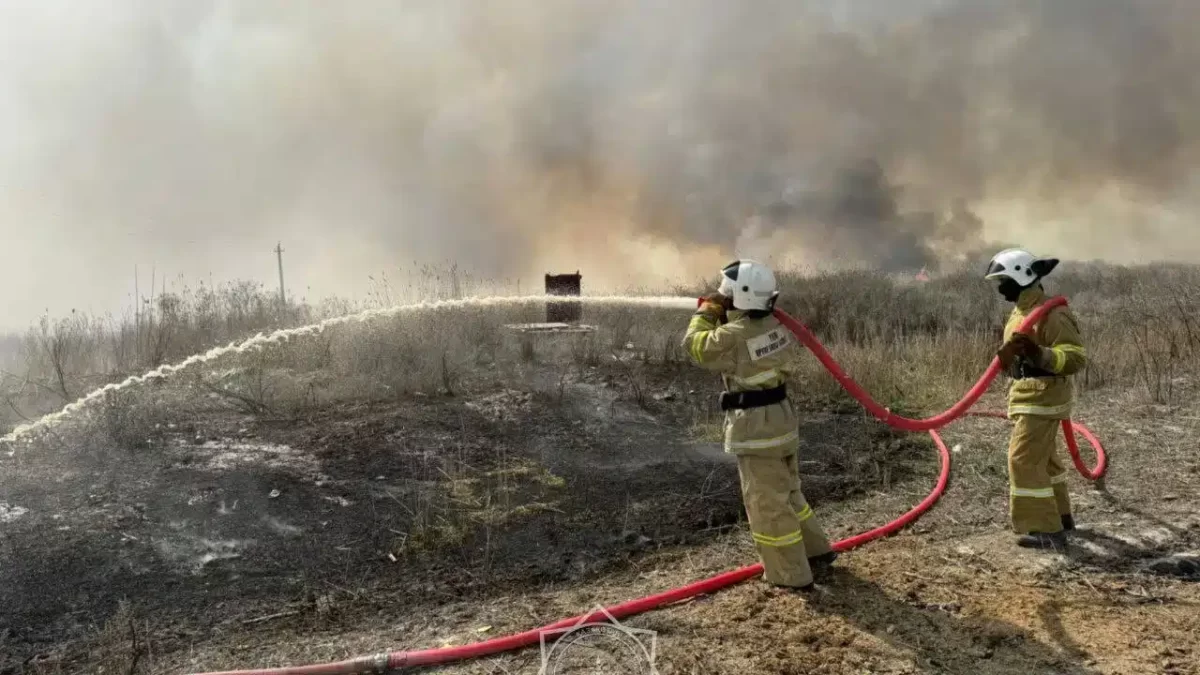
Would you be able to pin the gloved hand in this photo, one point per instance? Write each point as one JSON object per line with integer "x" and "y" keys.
{"x": 716, "y": 305}
{"x": 1019, "y": 344}
{"x": 1027, "y": 347}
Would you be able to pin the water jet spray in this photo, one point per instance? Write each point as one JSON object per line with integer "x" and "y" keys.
{"x": 283, "y": 335}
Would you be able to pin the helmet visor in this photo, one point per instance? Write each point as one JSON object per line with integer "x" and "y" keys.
{"x": 730, "y": 271}
{"x": 996, "y": 270}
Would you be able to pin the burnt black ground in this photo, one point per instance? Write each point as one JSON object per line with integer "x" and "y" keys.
{"x": 227, "y": 516}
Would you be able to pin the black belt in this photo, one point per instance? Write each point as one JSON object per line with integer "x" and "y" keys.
{"x": 1024, "y": 370}
{"x": 757, "y": 398}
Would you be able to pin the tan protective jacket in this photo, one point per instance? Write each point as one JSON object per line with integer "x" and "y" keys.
{"x": 1062, "y": 356}
{"x": 749, "y": 354}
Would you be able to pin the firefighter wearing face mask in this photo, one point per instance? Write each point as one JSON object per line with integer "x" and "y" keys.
{"x": 735, "y": 333}
{"x": 1040, "y": 364}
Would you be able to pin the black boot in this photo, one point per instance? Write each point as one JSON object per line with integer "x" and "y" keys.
{"x": 1068, "y": 522}
{"x": 823, "y": 561}
{"x": 1056, "y": 541}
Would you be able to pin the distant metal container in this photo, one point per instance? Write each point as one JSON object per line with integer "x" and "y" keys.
{"x": 564, "y": 284}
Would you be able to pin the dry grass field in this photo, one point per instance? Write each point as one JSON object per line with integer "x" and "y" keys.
{"x": 423, "y": 479}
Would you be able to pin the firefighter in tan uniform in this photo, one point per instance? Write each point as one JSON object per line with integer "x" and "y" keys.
{"x": 735, "y": 333}
{"x": 1041, "y": 395}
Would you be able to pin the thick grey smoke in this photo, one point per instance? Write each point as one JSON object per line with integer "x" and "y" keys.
{"x": 633, "y": 140}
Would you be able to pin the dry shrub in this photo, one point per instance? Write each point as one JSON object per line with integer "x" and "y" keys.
{"x": 131, "y": 419}
{"x": 918, "y": 346}
{"x": 910, "y": 375}
{"x": 420, "y": 351}
{"x": 120, "y": 647}
{"x": 915, "y": 346}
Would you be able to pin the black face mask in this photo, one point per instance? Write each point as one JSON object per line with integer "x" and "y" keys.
{"x": 1010, "y": 289}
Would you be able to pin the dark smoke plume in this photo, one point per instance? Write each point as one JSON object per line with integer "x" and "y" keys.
{"x": 635, "y": 140}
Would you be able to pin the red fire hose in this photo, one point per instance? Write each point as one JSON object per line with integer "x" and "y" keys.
{"x": 957, "y": 410}
{"x": 382, "y": 663}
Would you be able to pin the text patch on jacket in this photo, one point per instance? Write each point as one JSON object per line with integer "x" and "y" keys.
{"x": 768, "y": 343}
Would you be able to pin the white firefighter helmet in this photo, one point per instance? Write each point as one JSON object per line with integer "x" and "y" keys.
{"x": 750, "y": 284}
{"x": 1019, "y": 265}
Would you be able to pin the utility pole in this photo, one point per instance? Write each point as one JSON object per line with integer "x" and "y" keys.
{"x": 137, "y": 314}
{"x": 279, "y": 257}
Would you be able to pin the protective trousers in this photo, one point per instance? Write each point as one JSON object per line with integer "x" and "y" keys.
{"x": 785, "y": 531}
{"x": 1037, "y": 479}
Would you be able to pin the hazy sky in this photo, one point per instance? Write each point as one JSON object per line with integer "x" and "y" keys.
{"x": 634, "y": 140}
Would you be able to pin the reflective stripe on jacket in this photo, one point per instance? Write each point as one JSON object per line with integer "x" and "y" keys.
{"x": 750, "y": 354}
{"x": 1063, "y": 355}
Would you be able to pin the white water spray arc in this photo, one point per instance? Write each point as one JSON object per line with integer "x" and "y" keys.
{"x": 283, "y": 335}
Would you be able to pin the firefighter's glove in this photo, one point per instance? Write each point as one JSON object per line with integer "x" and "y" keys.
{"x": 715, "y": 306}
{"x": 1028, "y": 348}
{"x": 1007, "y": 355}
{"x": 1021, "y": 345}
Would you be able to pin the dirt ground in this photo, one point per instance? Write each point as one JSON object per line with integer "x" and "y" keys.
{"x": 241, "y": 541}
